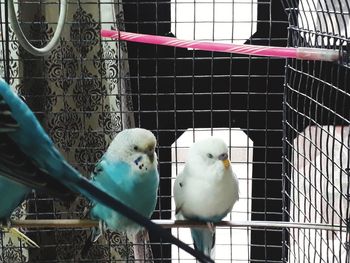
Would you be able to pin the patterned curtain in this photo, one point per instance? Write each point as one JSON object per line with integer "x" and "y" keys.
{"x": 80, "y": 93}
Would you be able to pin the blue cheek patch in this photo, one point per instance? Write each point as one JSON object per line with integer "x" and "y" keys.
{"x": 138, "y": 160}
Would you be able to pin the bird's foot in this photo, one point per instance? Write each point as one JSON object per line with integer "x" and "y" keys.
{"x": 6, "y": 226}
{"x": 98, "y": 232}
{"x": 211, "y": 226}
{"x": 101, "y": 225}
{"x": 87, "y": 209}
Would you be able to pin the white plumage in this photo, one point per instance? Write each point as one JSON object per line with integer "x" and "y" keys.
{"x": 206, "y": 189}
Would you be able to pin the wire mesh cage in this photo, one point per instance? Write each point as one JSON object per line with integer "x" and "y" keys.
{"x": 286, "y": 121}
{"x": 316, "y": 127}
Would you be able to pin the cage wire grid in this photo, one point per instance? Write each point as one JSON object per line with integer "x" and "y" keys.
{"x": 316, "y": 108}
{"x": 285, "y": 121}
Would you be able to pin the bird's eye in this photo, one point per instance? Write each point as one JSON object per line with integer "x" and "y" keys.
{"x": 210, "y": 155}
{"x": 136, "y": 148}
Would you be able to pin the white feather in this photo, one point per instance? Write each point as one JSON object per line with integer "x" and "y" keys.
{"x": 205, "y": 188}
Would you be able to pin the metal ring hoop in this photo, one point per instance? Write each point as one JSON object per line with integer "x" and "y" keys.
{"x": 23, "y": 41}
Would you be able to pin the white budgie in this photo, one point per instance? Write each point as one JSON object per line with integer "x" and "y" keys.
{"x": 206, "y": 190}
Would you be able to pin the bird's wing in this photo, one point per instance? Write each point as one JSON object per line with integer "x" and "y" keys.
{"x": 109, "y": 176}
{"x": 113, "y": 177}
{"x": 179, "y": 191}
{"x": 95, "y": 176}
{"x": 16, "y": 165}
{"x": 102, "y": 176}
{"x": 98, "y": 170}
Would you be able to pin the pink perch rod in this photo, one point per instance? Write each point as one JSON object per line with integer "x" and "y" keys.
{"x": 254, "y": 50}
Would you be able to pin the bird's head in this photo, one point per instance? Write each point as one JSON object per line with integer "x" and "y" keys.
{"x": 210, "y": 152}
{"x": 133, "y": 145}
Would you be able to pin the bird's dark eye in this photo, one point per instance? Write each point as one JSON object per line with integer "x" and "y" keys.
{"x": 210, "y": 155}
{"x": 136, "y": 148}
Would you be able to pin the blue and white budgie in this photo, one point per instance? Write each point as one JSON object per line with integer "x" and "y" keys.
{"x": 29, "y": 157}
{"x": 128, "y": 172}
{"x": 206, "y": 190}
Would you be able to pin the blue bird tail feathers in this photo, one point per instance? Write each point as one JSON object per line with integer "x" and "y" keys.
{"x": 203, "y": 240}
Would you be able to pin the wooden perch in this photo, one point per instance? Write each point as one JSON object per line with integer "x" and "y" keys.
{"x": 83, "y": 223}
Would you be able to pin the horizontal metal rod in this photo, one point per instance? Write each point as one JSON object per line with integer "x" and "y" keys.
{"x": 83, "y": 223}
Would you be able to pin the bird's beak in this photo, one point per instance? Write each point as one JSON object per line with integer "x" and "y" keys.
{"x": 150, "y": 154}
{"x": 224, "y": 158}
{"x": 226, "y": 163}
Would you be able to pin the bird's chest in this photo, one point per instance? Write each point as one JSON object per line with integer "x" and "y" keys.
{"x": 208, "y": 200}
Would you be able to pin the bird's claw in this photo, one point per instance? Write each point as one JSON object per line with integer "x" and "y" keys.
{"x": 211, "y": 226}
{"x": 101, "y": 229}
{"x": 6, "y": 226}
{"x": 87, "y": 209}
{"x": 101, "y": 226}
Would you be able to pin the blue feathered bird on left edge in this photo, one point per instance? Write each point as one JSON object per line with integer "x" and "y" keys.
{"x": 19, "y": 174}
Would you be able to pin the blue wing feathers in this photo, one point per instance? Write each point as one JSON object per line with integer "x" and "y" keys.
{"x": 31, "y": 138}
{"x": 117, "y": 179}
